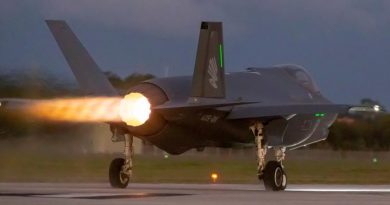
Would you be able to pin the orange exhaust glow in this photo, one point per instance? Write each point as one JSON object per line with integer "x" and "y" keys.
{"x": 133, "y": 109}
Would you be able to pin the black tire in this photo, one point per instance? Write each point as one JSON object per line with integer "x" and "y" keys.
{"x": 117, "y": 178}
{"x": 275, "y": 178}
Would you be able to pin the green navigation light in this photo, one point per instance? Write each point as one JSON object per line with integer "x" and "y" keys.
{"x": 220, "y": 55}
{"x": 319, "y": 114}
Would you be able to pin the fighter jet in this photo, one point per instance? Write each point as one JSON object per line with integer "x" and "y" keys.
{"x": 277, "y": 108}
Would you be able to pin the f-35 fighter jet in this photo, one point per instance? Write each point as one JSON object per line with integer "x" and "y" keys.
{"x": 276, "y": 108}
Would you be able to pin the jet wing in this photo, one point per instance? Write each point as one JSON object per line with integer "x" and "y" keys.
{"x": 199, "y": 104}
{"x": 260, "y": 110}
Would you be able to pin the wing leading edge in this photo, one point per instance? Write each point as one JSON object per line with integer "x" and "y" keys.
{"x": 257, "y": 111}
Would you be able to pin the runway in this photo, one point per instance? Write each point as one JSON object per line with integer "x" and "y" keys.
{"x": 188, "y": 194}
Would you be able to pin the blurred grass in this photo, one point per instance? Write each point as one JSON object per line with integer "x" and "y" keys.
{"x": 44, "y": 167}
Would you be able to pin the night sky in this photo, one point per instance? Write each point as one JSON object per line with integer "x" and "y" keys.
{"x": 344, "y": 44}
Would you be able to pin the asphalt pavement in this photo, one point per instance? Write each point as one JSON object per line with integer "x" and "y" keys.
{"x": 188, "y": 194}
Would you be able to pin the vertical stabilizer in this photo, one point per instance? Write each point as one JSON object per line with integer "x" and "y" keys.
{"x": 91, "y": 79}
{"x": 209, "y": 77}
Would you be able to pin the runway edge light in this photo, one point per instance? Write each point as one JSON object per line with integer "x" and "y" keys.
{"x": 214, "y": 177}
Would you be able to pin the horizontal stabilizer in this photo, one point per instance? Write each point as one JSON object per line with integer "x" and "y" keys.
{"x": 86, "y": 71}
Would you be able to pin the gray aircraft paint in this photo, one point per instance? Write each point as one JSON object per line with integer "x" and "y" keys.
{"x": 84, "y": 68}
{"x": 208, "y": 78}
{"x": 250, "y": 86}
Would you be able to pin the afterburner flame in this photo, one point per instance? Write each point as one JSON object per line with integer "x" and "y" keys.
{"x": 90, "y": 109}
{"x": 134, "y": 109}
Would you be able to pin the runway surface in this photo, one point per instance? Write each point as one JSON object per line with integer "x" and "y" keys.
{"x": 96, "y": 194}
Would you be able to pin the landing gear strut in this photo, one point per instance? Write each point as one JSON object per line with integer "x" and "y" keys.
{"x": 121, "y": 169}
{"x": 272, "y": 173}
{"x": 261, "y": 148}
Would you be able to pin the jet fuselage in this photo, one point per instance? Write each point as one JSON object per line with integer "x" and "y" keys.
{"x": 184, "y": 129}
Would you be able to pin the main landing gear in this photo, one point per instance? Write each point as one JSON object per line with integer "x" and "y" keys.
{"x": 272, "y": 173}
{"x": 121, "y": 169}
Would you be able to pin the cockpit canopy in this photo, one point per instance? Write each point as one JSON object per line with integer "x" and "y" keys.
{"x": 300, "y": 74}
{"x": 296, "y": 72}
